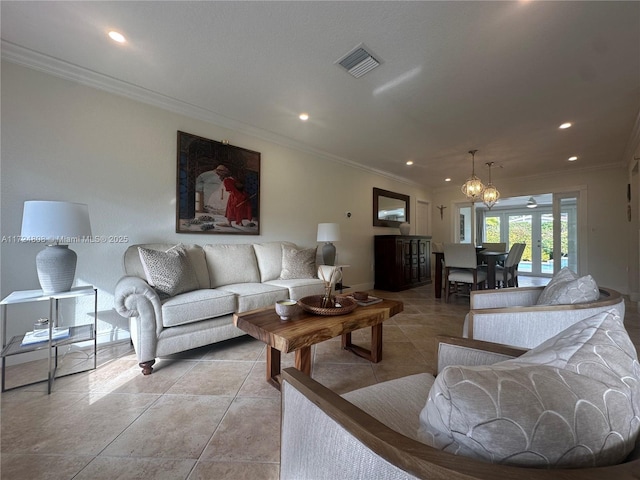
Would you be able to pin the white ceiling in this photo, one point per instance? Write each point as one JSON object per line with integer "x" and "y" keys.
{"x": 499, "y": 77}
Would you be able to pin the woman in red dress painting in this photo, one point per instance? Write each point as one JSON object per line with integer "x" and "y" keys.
{"x": 238, "y": 204}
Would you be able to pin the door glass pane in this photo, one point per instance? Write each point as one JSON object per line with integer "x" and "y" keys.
{"x": 569, "y": 233}
{"x": 546, "y": 243}
{"x": 520, "y": 232}
{"x": 491, "y": 232}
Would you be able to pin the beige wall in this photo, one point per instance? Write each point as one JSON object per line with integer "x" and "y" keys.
{"x": 65, "y": 141}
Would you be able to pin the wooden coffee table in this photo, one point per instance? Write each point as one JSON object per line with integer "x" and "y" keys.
{"x": 306, "y": 329}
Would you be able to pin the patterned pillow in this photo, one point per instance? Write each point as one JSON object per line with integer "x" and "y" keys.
{"x": 573, "y": 401}
{"x": 298, "y": 263}
{"x": 170, "y": 272}
{"x": 565, "y": 288}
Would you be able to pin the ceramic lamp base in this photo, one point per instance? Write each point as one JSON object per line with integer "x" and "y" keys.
{"x": 329, "y": 253}
{"x": 56, "y": 267}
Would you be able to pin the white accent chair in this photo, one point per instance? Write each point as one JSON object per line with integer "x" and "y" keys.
{"x": 511, "y": 316}
{"x": 461, "y": 266}
{"x": 371, "y": 432}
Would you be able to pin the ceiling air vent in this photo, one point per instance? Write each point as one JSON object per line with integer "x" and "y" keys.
{"x": 358, "y": 62}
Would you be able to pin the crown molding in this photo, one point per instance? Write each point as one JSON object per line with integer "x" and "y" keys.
{"x": 53, "y": 66}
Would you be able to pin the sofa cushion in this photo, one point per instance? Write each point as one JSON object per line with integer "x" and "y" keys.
{"x": 300, "y": 287}
{"x": 573, "y": 401}
{"x": 566, "y": 288}
{"x": 298, "y": 263}
{"x": 196, "y": 306}
{"x": 250, "y": 296}
{"x": 169, "y": 272}
{"x": 231, "y": 264}
{"x": 269, "y": 256}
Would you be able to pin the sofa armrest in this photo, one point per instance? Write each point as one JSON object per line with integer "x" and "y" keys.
{"x": 134, "y": 298}
{"x": 469, "y": 352}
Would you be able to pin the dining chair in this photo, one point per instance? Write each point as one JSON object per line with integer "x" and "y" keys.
{"x": 461, "y": 266}
{"x": 508, "y": 274}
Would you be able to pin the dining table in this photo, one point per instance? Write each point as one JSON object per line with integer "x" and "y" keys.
{"x": 490, "y": 257}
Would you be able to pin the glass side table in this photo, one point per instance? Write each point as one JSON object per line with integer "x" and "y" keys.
{"x": 77, "y": 333}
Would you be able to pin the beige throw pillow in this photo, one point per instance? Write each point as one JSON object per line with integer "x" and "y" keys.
{"x": 169, "y": 272}
{"x": 298, "y": 263}
{"x": 573, "y": 401}
{"x": 566, "y": 288}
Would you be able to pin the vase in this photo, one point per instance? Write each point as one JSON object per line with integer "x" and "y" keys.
{"x": 327, "y": 300}
{"x": 405, "y": 228}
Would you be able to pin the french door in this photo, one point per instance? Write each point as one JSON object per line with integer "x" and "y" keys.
{"x": 550, "y": 233}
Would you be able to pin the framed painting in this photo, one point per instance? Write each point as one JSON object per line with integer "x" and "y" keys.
{"x": 218, "y": 187}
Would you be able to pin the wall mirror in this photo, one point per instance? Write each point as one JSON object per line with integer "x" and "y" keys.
{"x": 390, "y": 209}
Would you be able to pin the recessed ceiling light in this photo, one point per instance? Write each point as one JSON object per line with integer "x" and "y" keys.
{"x": 304, "y": 117}
{"x": 117, "y": 36}
{"x": 573, "y": 159}
{"x": 409, "y": 162}
{"x": 565, "y": 125}
{"x": 447, "y": 179}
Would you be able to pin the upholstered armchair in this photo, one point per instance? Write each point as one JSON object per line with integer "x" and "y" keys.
{"x": 374, "y": 432}
{"x": 511, "y": 316}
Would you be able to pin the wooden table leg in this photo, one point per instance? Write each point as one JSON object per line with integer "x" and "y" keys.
{"x": 491, "y": 272}
{"x": 273, "y": 366}
{"x": 437, "y": 281}
{"x": 375, "y": 354}
{"x": 303, "y": 360}
{"x": 376, "y": 343}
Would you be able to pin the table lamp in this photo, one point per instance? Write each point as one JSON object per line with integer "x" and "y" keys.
{"x": 55, "y": 223}
{"x": 328, "y": 232}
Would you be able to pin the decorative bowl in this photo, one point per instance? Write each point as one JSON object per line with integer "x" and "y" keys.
{"x": 313, "y": 304}
{"x": 361, "y": 296}
{"x": 286, "y": 308}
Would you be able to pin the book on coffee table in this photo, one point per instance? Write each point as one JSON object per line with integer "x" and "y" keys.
{"x": 369, "y": 301}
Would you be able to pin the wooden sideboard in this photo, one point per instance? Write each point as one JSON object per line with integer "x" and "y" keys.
{"x": 402, "y": 261}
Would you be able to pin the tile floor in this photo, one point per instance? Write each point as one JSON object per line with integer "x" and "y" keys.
{"x": 207, "y": 413}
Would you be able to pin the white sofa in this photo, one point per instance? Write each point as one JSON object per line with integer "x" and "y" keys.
{"x": 229, "y": 278}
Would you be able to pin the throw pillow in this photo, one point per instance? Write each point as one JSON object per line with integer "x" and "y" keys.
{"x": 298, "y": 263}
{"x": 169, "y": 272}
{"x": 566, "y": 289}
{"x": 573, "y": 401}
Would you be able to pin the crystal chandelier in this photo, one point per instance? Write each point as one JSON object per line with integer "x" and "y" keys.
{"x": 473, "y": 187}
{"x": 491, "y": 194}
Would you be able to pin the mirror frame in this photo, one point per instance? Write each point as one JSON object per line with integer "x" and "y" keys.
{"x": 379, "y": 192}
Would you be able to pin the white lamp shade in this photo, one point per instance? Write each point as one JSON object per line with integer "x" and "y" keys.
{"x": 328, "y": 232}
{"x": 54, "y": 221}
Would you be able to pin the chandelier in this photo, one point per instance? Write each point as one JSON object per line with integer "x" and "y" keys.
{"x": 473, "y": 187}
{"x": 490, "y": 195}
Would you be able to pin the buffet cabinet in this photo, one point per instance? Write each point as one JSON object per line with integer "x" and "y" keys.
{"x": 402, "y": 261}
